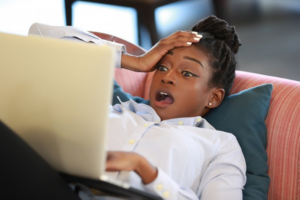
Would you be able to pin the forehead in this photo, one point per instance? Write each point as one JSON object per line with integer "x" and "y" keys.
{"x": 190, "y": 49}
{"x": 180, "y": 53}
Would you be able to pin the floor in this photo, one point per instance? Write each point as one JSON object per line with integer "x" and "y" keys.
{"x": 271, "y": 45}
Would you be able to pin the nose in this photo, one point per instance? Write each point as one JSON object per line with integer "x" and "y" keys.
{"x": 169, "y": 78}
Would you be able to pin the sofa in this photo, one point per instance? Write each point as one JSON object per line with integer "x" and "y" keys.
{"x": 282, "y": 122}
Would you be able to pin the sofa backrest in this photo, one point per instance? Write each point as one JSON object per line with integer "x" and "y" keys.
{"x": 283, "y": 125}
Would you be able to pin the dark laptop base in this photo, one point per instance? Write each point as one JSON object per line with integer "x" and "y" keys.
{"x": 130, "y": 193}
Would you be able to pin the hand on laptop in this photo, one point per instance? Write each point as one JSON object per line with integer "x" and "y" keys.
{"x": 148, "y": 61}
{"x": 130, "y": 161}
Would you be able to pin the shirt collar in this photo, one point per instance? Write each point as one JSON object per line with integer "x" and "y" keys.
{"x": 149, "y": 114}
{"x": 143, "y": 110}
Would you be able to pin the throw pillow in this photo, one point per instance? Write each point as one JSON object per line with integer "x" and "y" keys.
{"x": 243, "y": 114}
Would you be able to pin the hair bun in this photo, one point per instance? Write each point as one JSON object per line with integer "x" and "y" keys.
{"x": 220, "y": 30}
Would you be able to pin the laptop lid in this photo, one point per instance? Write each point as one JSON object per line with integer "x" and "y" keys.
{"x": 55, "y": 95}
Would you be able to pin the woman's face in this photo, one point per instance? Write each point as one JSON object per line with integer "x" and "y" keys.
{"x": 180, "y": 85}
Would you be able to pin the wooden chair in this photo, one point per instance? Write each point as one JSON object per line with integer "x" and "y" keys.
{"x": 145, "y": 13}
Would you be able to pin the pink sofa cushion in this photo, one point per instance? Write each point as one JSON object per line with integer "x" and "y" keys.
{"x": 283, "y": 125}
{"x": 131, "y": 82}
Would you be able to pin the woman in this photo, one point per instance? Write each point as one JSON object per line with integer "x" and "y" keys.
{"x": 167, "y": 147}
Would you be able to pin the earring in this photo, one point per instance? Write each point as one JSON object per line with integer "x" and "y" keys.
{"x": 210, "y": 102}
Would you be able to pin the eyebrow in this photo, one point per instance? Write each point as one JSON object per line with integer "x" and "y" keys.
{"x": 193, "y": 59}
{"x": 188, "y": 58}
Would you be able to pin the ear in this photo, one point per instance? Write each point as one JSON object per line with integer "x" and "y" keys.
{"x": 216, "y": 98}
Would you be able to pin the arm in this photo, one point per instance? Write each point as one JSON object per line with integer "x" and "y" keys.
{"x": 155, "y": 180}
{"x": 130, "y": 161}
{"x": 222, "y": 179}
{"x": 144, "y": 63}
{"x": 225, "y": 176}
{"x": 147, "y": 62}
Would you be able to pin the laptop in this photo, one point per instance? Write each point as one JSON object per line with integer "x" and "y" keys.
{"x": 55, "y": 95}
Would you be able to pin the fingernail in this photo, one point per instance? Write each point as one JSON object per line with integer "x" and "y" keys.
{"x": 194, "y": 32}
{"x": 189, "y": 43}
{"x": 200, "y": 36}
{"x": 196, "y": 38}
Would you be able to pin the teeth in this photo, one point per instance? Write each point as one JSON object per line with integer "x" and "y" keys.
{"x": 163, "y": 95}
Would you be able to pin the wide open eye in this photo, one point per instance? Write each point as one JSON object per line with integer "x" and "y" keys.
{"x": 189, "y": 74}
{"x": 162, "y": 68}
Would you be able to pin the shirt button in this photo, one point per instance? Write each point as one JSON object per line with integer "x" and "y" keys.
{"x": 146, "y": 125}
{"x": 199, "y": 119}
{"x": 180, "y": 123}
{"x": 159, "y": 187}
{"x": 166, "y": 194}
{"x": 131, "y": 141}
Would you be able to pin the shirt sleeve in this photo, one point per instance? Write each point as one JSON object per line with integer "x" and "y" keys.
{"x": 225, "y": 176}
{"x": 76, "y": 34}
{"x": 223, "y": 179}
{"x": 167, "y": 188}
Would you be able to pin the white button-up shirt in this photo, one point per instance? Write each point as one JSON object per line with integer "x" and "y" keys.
{"x": 194, "y": 160}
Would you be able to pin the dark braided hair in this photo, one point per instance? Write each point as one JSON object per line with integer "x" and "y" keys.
{"x": 220, "y": 42}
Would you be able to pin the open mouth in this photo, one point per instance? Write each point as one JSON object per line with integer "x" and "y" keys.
{"x": 163, "y": 98}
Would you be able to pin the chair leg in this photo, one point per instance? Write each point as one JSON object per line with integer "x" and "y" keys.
{"x": 150, "y": 23}
{"x": 68, "y": 11}
{"x": 146, "y": 19}
{"x": 145, "y": 14}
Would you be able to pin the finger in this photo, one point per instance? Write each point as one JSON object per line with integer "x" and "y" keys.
{"x": 180, "y": 41}
{"x": 189, "y": 38}
{"x": 111, "y": 165}
{"x": 177, "y": 42}
{"x": 183, "y": 34}
{"x": 118, "y": 166}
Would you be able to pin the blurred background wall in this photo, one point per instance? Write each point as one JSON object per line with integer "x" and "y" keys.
{"x": 269, "y": 29}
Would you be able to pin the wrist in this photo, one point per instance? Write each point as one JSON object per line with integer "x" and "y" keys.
{"x": 130, "y": 62}
{"x": 146, "y": 171}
